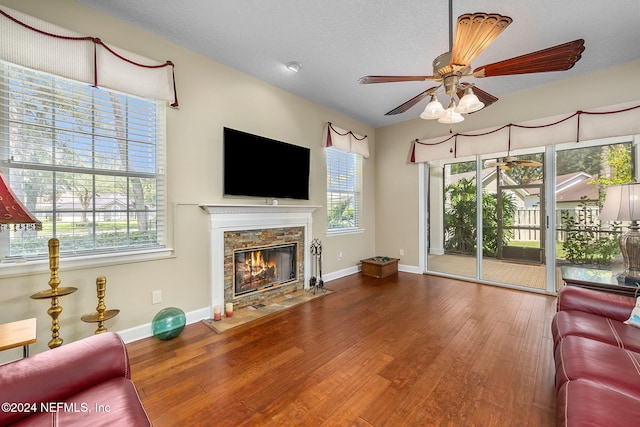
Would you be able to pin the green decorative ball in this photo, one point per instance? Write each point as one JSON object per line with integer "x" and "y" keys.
{"x": 168, "y": 323}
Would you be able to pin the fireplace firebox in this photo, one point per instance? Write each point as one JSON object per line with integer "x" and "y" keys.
{"x": 255, "y": 269}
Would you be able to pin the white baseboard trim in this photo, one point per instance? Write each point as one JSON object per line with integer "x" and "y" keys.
{"x": 356, "y": 269}
{"x": 340, "y": 273}
{"x": 409, "y": 269}
{"x": 145, "y": 331}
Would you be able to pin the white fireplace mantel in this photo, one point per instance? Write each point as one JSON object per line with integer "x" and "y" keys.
{"x": 227, "y": 217}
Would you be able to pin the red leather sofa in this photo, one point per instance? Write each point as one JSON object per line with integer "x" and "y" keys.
{"x": 597, "y": 358}
{"x": 84, "y": 383}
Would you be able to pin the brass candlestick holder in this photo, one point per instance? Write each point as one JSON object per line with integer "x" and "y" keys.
{"x": 54, "y": 293}
{"x": 101, "y": 314}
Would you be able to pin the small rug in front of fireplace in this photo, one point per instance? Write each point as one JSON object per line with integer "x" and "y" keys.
{"x": 254, "y": 312}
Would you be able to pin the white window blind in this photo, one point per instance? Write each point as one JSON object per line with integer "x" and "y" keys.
{"x": 344, "y": 178}
{"x": 87, "y": 162}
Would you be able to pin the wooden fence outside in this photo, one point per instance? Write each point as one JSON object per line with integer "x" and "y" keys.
{"x": 529, "y": 221}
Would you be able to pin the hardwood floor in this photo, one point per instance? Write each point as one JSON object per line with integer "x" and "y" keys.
{"x": 408, "y": 350}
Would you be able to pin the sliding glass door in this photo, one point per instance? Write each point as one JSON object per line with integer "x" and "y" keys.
{"x": 583, "y": 174}
{"x": 513, "y": 225}
{"x": 531, "y": 213}
{"x": 504, "y": 213}
{"x": 452, "y": 219}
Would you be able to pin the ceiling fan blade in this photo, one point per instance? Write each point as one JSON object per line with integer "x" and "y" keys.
{"x": 556, "y": 58}
{"x": 410, "y": 103}
{"x": 528, "y": 163}
{"x": 392, "y": 79}
{"x": 475, "y": 32}
{"x": 485, "y": 97}
{"x": 494, "y": 164}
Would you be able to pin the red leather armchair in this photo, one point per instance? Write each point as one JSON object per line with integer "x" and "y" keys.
{"x": 597, "y": 358}
{"x": 84, "y": 383}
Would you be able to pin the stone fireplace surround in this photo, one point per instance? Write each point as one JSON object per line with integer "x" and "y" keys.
{"x": 235, "y": 218}
{"x": 262, "y": 240}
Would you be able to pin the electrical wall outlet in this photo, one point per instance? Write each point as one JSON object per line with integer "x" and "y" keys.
{"x": 401, "y": 252}
{"x": 156, "y": 297}
{"x": 339, "y": 254}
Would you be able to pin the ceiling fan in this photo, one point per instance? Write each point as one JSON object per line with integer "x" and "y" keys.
{"x": 506, "y": 163}
{"x": 474, "y": 33}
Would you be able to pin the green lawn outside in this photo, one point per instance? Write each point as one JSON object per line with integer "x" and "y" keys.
{"x": 70, "y": 227}
{"x": 531, "y": 244}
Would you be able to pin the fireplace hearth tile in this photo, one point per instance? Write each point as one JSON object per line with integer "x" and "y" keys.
{"x": 255, "y": 306}
{"x": 249, "y": 314}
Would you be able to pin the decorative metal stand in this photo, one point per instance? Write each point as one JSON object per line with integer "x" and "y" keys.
{"x": 316, "y": 284}
{"x": 55, "y": 292}
{"x": 101, "y": 314}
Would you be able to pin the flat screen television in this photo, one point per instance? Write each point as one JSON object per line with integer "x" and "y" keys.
{"x": 256, "y": 166}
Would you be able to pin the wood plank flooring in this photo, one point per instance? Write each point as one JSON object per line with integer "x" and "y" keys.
{"x": 407, "y": 350}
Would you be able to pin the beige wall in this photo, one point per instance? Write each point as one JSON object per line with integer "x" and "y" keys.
{"x": 211, "y": 96}
{"x": 397, "y": 198}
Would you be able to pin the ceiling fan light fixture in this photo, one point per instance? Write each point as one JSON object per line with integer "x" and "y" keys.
{"x": 433, "y": 110}
{"x": 473, "y": 33}
{"x": 450, "y": 115}
{"x": 469, "y": 103}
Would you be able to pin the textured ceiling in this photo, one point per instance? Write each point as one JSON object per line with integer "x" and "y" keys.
{"x": 339, "y": 41}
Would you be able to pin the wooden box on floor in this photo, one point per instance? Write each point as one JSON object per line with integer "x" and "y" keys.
{"x": 379, "y": 266}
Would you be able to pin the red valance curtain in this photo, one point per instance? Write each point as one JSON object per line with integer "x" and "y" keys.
{"x": 618, "y": 120}
{"x": 346, "y": 140}
{"x": 40, "y": 45}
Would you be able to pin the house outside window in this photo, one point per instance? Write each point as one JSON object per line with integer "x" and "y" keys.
{"x": 87, "y": 162}
{"x": 344, "y": 193}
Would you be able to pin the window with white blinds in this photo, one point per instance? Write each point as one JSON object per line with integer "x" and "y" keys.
{"x": 344, "y": 178}
{"x": 87, "y": 162}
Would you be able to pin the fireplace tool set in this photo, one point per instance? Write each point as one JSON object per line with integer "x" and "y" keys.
{"x": 316, "y": 283}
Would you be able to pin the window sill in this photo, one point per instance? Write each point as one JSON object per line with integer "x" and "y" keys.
{"x": 24, "y": 268}
{"x": 344, "y": 232}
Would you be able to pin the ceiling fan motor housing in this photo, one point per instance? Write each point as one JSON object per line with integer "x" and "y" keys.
{"x": 448, "y": 73}
{"x": 441, "y": 63}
